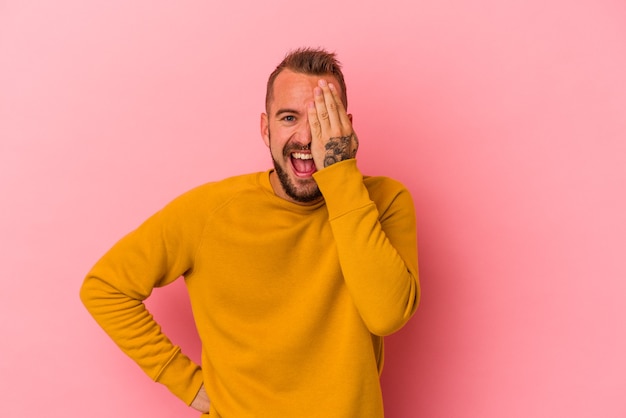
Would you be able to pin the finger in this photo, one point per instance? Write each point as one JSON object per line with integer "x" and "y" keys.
{"x": 343, "y": 114}
{"x": 314, "y": 122}
{"x": 322, "y": 112}
{"x": 331, "y": 107}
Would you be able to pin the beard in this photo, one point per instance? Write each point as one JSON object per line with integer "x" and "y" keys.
{"x": 306, "y": 193}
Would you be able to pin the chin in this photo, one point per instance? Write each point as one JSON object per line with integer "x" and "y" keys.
{"x": 303, "y": 190}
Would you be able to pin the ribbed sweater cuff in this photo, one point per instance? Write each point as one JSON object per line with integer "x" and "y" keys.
{"x": 182, "y": 377}
{"x": 342, "y": 186}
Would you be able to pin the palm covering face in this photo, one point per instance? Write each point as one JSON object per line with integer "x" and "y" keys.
{"x": 333, "y": 138}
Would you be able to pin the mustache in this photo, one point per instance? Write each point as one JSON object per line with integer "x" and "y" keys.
{"x": 290, "y": 148}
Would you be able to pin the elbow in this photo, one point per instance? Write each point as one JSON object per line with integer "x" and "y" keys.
{"x": 96, "y": 295}
{"x": 87, "y": 293}
{"x": 385, "y": 328}
{"x": 384, "y": 325}
{"x": 84, "y": 294}
{"x": 391, "y": 319}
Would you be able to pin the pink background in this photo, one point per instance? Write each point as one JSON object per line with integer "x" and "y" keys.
{"x": 506, "y": 120}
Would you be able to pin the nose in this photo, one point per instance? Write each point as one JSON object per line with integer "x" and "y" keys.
{"x": 304, "y": 134}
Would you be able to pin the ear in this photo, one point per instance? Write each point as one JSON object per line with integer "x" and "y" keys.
{"x": 265, "y": 129}
{"x": 350, "y": 117}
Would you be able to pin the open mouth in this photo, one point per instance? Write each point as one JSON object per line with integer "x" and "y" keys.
{"x": 303, "y": 164}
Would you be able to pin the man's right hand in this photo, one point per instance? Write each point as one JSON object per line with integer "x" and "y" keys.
{"x": 201, "y": 402}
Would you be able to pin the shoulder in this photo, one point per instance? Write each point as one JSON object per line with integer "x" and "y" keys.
{"x": 211, "y": 195}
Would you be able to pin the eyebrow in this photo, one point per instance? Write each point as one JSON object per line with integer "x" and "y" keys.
{"x": 281, "y": 111}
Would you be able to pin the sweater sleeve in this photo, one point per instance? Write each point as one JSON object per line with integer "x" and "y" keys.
{"x": 155, "y": 254}
{"x": 376, "y": 243}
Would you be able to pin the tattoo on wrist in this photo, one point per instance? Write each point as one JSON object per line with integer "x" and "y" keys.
{"x": 340, "y": 148}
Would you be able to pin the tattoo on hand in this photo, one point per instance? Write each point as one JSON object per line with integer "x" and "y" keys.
{"x": 341, "y": 148}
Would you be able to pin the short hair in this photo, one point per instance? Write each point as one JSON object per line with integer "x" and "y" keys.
{"x": 312, "y": 61}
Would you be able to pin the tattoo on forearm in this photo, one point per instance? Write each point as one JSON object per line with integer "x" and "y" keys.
{"x": 341, "y": 148}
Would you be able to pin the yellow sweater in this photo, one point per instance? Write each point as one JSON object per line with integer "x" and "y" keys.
{"x": 290, "y": 301}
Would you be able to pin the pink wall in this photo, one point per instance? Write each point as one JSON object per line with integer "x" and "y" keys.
{"x": 507, "y": 120}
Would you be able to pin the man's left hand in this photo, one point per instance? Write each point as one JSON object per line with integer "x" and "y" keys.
{"x": 333, "y": 138}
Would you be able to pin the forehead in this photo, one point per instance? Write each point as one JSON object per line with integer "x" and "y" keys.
{"x": 293, "y": 89}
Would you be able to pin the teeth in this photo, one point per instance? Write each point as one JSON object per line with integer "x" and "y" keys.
{"x": 302, "y": 156}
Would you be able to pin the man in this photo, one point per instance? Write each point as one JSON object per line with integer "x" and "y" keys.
{"x": 294, "y": 274}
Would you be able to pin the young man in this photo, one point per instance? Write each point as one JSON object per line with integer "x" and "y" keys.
{"x": 294, "y": 274}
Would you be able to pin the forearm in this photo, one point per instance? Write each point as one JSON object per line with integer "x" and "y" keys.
{"x": 133, "y": 329}
{"x": 377, "y": 252}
